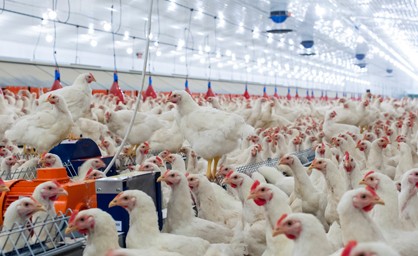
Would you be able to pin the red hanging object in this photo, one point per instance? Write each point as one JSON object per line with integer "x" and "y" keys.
{"x": 275, "y": 93}
{"x": 288, "y": 96}
{"x": 326, "y": 96}
{"x": 246, "y": 94}
{"x": 150, "y": 90}
{"x": 57, "y": 82}
{"x": 209, "y": 93}
{"x": 265, "y": 93}
{"x": 336, "y": 96}
{"x": 115, "y": 89}
{"x": 307, "y": 95}
{"x": 297, "y": 94}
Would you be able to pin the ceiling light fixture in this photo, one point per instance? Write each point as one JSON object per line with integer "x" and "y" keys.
{"x": 52, "y": 15}
{"x": 49, "y": 38}
{"x": 129, "y": 50}
{"x": 107, "y": 26}
{"x": 93, "y": 43}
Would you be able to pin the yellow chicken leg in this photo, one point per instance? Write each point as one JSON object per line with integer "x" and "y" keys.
{"x": 209, "y": 170}
{"x": 215, "y": 166}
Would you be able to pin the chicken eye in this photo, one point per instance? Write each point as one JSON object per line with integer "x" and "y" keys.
{"x": 125, "y": 198}
{"x": 363, "y": 196}
{"x": 351, "y": 160}
{"x": 26, "y": 204}
{"x": 289, "y": 223}
{"x": 235, "y": 177}
{"x": 371, "y": 179}
{"x": 49, "y": 187}
{"x": 263, "y": 190}
{"x": 172, "y": 175}
{"x": 82, "y": 219}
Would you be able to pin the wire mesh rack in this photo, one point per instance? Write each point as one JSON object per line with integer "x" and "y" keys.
{"x": 305, "y": 157}
{"x": 43, "y": 236}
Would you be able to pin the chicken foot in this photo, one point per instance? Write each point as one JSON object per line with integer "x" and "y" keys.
{"x": 215, "y": 166}
{"x": 209, "y": 169}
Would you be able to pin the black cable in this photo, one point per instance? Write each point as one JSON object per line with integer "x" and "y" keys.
{"x": 113, "y": 38}
{"x": 120, "y": 16}
{"x": 68, "y": 11}
{"x": 76, "y": 48}
{"x": 188, "y": 29}
{"x": 37, "y": 42}
{"x": 54, "y": 47}
{"x": 158, "y": 20}
{"x": 4, "y": 6}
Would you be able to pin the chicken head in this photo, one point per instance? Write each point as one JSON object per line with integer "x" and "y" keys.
{"x": 93, "y": 174}
{"x": 370, "y": 179}
{"x": 261, "y": 194}
{"x": 170, "y": 177}
{"x": 366, "y": 199}
{"x": 289, "y": 226}
{"x": 50, "y": 190}
{"x": 82, "y": 222}
{"x": 27, "y": 206}
{"x": 193, "y": 180}
{"x": 413, "y": 178}
{"x": 124, "y": 200}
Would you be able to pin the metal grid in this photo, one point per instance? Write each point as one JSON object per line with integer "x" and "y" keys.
{"x": 42, "y": 236}
{"x": 305, "y": 157}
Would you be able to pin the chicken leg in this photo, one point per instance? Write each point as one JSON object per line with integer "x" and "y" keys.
{"x": 215, "y": 165}
{"x": 209, "y": 170}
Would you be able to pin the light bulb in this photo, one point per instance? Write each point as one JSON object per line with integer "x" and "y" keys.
{"x": 52, "y": 15}
{"x": 156, "y": 43}
{"x": 158, "y": 53}
{"x": 93, "y": 43}
{"x": 228, "y": 53}
{"x": 202, "y": 60}
{"x": 91, "y": 29}
{"x": 180, "y": 44}
{"x": 207, "y": 48}
{"x": 182, "y": 59}
{"x": 129, "y": 50}
{"x": 220, "y": 65}
{"x": 126, "y": 35}
{"x": 49, "y": 38}
{"x": 107, "y": 26}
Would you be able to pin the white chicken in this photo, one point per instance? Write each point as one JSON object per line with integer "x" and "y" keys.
{"x": 17, "y": 215}
{"x": 45, "y": 128}
{"x": 77, "y": 96}
{"x": 211, "y": 132}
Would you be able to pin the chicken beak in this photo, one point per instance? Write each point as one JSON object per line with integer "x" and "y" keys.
{"x": 277, "y": 231}
{"x": 362, "y": 182}
{"x": 70, "y": 228}
{"x": 379, "y": 201}
{"x": 225, "y": 181}
{"x": 312, "y": 166}
{"x": 160, "y": 179}
{"x": 113, "y": 203}
{"x": 252, "y": 195}
{"x": 62, "y": 192}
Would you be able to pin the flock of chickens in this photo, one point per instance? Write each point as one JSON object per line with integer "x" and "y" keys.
{"x": 358, "y": 197}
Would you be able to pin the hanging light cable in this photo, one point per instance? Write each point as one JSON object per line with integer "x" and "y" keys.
{"x": 138, "y": 100}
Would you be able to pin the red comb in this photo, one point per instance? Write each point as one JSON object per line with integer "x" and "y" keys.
{"x": 371, "y": 190}
{"x": 146, "y": 143}
{"x": 158, "y": 159}
{"x": 89, "y": 171}
{"x": 2, "y": 181}
{"x": 255, "y": 185}
{"x": 43, "y": 155}
{"x": 358, "y": 142}
{"x": 229, "y": 174}
{"x": 368, "y": 174}
{"x": 347, "y": 156}
{"x": 280, "y": 220}
{"x": 187, "y": 174}
{"x": 170, "y": 94}
{"x": 73, "y": 215}
{"x": 348, "y": 248}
